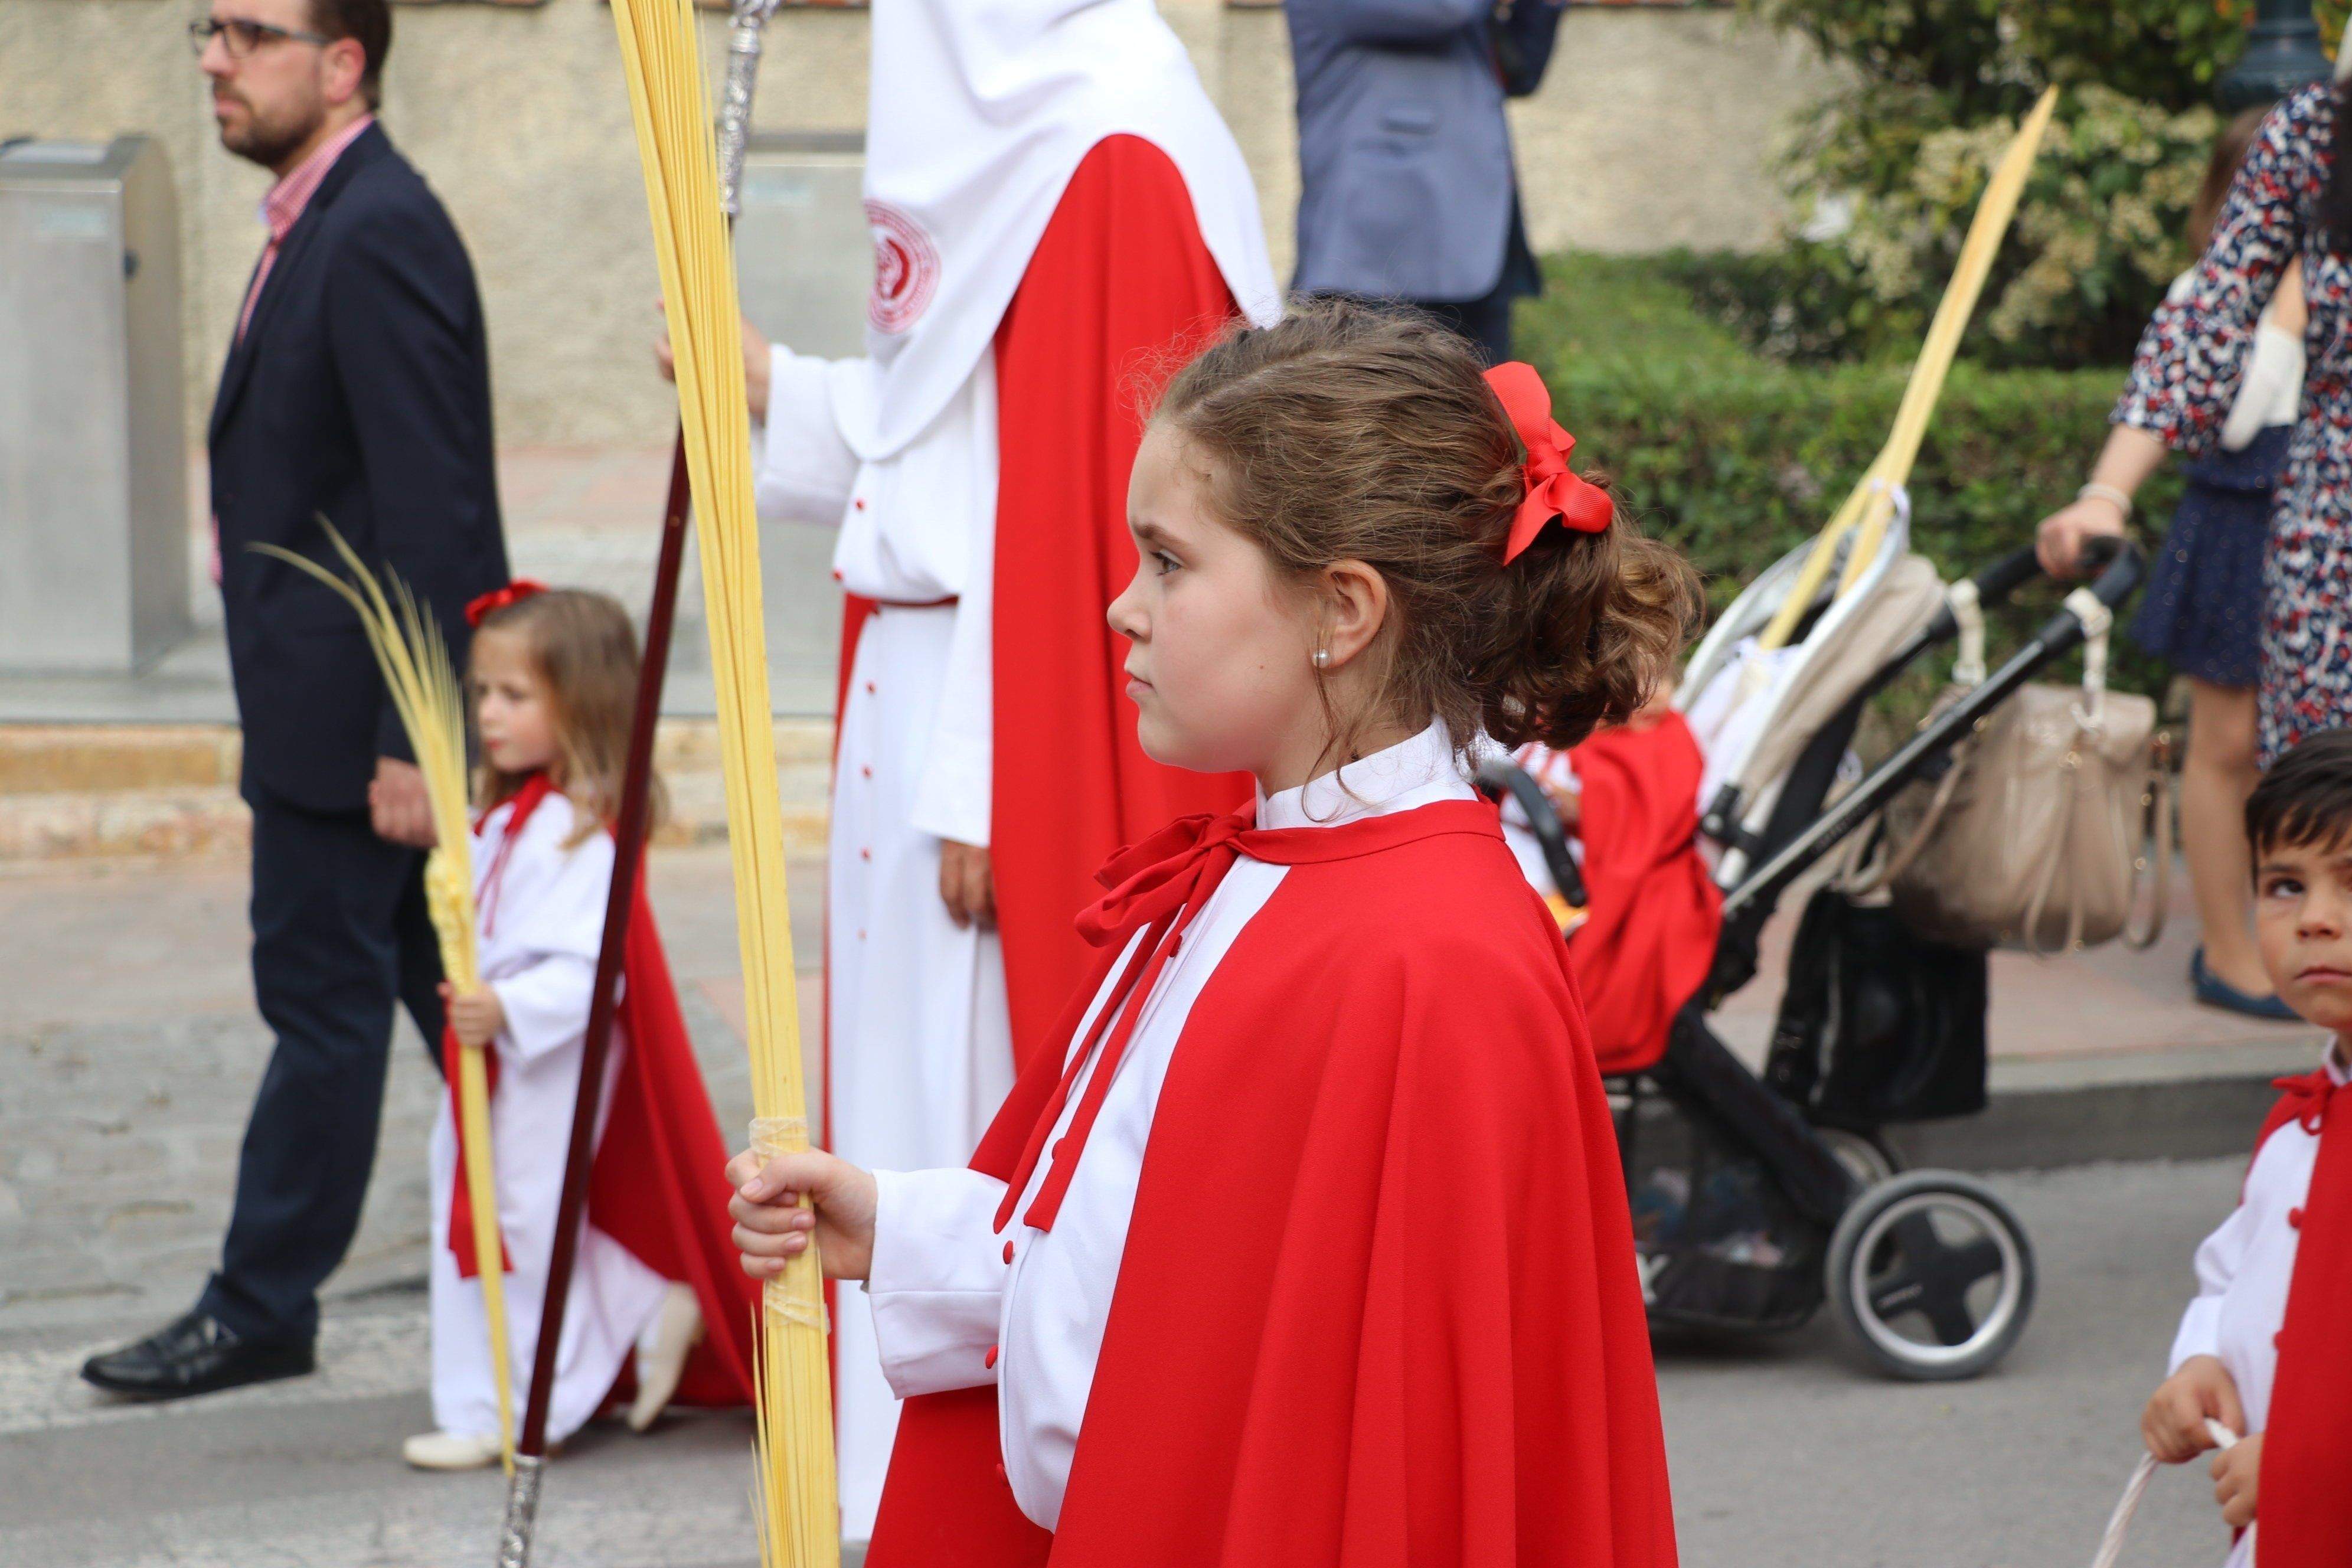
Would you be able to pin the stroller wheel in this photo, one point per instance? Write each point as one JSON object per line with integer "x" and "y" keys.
{"x": 1868, "y": 1157}
{"x": 1932, "y": 1275}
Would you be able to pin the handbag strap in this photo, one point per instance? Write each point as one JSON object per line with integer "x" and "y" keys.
{"x": 2157, "y": 855}
{"x": 1967, "y": 614}
{"x": 2111, "y": 1544}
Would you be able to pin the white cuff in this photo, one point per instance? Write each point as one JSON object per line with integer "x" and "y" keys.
{"x": 936, "y": 1279}
{"x": 806, "y": 469}
{"x": 952, "y": 797}
{"x": 2200, "y": 1332}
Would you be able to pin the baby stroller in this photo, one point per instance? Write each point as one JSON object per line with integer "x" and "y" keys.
{"x": 1754, "y": 1198}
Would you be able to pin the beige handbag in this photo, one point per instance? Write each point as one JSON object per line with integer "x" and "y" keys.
{"x": 2053, "y": 822}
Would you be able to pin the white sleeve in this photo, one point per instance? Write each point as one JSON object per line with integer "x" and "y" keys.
{"x": 2273, "y": 377}
{"x": 546, "y": 1005}
{"x": 954, "y": 794}
{"x": 2219, "y": 1260}
{"x": 936, "y": 1280}
{"x": 555, "y": 906}
{"x": 806, "y": 467}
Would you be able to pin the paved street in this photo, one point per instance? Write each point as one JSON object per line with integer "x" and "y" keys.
{"x": 123, "y": 1087}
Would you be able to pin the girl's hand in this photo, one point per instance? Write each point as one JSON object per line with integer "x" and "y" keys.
{"x": 2065, "y": 532}
{"x": 2237, "y": 1475}
{"x": 475, "y": 1017}
{"x": 771, "y": 1226}
{"x": 2174, "y": 1422}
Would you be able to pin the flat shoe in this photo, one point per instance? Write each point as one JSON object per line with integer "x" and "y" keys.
{"x": 662, "y": 1350}
{"x": 451, "y": 1451}
{"x": 2215, "y": 992}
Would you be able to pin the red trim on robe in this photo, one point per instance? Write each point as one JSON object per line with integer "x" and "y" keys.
{"x": 1418, "y": 1336}
{"x": 1121, "y": 289}
{"x": 2302, "y": 1518}
{"x": 658, "y": 1183}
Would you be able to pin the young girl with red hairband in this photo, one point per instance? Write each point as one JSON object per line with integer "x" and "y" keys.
{"x": 655, "y": 1298}
{"x": 1310, "y": 1245}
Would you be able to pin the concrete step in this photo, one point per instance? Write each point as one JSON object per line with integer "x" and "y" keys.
{"x": 168, "y": 792}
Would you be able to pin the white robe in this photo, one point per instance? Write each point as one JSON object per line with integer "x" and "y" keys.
{"x": 920, "y": 1044}
{"x": 2243, "y": 1270}
{"x": 538, "y": 941}
{"x": 956, "y": 1304}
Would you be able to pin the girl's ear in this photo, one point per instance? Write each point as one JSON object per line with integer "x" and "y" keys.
{"x": 1356, "y": 605}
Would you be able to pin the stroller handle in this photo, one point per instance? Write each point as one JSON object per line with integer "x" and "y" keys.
{"x": 2119, "y": 563}
{"x": 1499, "y": 776}
{"x": 2121, "y": 566}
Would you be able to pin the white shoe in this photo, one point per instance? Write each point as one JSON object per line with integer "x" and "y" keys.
{"x": 662, "y": 1350}
{"x": 451, "y": 1451}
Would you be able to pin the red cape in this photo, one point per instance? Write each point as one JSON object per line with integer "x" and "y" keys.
{"x": 1649, "y": 936}
{"x": 659, "y": 1185}
{"x": 2301, "y": 1519}
{"x": 1121, "y": 291}
{"x": 1378, "y": 1304}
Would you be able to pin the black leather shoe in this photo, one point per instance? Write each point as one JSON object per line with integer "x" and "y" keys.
{"x": 196, "y": 1354}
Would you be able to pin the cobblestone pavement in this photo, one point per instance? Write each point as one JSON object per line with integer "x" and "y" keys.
{"x": 128, "y": 1056}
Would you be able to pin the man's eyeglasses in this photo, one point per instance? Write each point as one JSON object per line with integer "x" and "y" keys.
{"x": 241, "y": 37}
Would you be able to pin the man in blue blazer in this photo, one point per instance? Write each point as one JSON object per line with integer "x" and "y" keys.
{"x": 357, "y": 389}
{"x": 1407, "y": 189}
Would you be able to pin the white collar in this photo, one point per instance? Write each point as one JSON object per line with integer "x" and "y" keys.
{"x": 1410, "y": 774}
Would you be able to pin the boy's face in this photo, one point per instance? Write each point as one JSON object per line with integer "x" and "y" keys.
{"x": 2303, "y": 923}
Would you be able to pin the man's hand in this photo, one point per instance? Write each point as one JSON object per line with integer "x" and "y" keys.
{"x": 2174, "y": 1422}
{"x": 771, "y": 1226}
{"x": 755, "y": 364}
{"x": 967, "y": 884}
{"x": 2237, "y": 1475}
{"x": 397, "y": 807}
{"x": 475, "y": 1017}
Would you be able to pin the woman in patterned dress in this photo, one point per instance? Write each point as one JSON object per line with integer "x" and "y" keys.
{"x": 2289, "y": 199}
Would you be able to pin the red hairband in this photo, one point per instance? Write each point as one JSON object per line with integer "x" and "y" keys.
{"x": 1553, "y": 492}
{"x": 496, "y": 599}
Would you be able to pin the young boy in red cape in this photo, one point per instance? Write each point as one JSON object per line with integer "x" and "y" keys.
{"x": 1308, "y": 1243}
{"x": 2266, "y": 1347}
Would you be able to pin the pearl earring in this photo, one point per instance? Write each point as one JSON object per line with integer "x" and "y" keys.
{"x": 1322, "y": 657}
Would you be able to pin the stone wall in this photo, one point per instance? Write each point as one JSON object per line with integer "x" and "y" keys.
{"x": 1656, "y": 128}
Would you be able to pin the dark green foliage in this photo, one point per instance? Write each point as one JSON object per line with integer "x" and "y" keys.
{"x": 1737, "y": 458}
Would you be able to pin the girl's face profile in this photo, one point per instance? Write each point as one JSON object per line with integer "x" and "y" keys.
{"x": 1220, "y": 667}
{"x": 513, "y": 710}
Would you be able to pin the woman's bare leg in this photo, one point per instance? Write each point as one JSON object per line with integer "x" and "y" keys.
{"x": 2216, "y": 776}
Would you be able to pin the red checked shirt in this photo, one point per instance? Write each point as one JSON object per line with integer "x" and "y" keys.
{"x": 282, "y": 207}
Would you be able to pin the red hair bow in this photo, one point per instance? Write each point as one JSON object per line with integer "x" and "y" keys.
{"x": 496, "y": 599}
{"x": 1553, "y": 492}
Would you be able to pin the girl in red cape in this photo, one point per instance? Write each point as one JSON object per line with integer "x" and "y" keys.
{"x": 655, "y": 1296}
{"x": 1309, "y": 1244}
{"x": 2265, "y": 1348}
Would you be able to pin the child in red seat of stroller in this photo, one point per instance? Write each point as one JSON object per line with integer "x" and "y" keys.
{"x": 1610, "y": 835}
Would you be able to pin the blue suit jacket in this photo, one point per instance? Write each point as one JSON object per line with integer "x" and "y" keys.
{"x": 1406, "y": 183}
{"x": 361, "y": 392}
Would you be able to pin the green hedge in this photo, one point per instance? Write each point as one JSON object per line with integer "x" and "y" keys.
{"x": 1737, "y": 458}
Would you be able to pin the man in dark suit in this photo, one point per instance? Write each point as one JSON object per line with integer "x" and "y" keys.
{"x": 1406, "y": 186}
{"x": 357, "y": 389}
